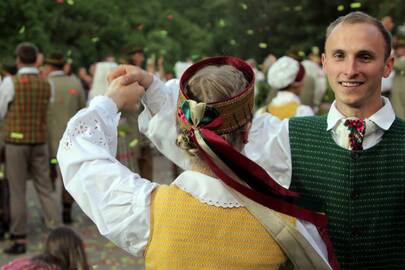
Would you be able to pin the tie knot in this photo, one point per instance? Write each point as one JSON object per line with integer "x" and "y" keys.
{"x": 357, "y": 130}
{"x": 355, "y": 125}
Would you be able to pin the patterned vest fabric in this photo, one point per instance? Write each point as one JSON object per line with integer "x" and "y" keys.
{"x": 26, "y": 118}
{"x": 188, "y": 234}
{"x": 69, "y": 97}
{"x": 363, "y": 192}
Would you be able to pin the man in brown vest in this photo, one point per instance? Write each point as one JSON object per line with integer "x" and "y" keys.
{"x": 24, "y": 102}
{"x": 68, "y": 98}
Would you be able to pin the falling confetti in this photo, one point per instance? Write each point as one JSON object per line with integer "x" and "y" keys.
{"x": 95, "y": 39}
{"x": 133, "y": 143}
{"x": 163, "y": 33}
{"x": 22, "y": 30}
{"x": 340, "y": 7}
{"x": 262, "y": 45}
{"x": 249, "y": 32}
{"x": 170, "y": 17}
{"x": 355, "y": 5}
{"x": 232, "y": 42}
{"x": 243, "y": 6}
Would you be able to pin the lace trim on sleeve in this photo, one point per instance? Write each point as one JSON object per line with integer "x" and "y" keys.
{"x": 93, "y": 130}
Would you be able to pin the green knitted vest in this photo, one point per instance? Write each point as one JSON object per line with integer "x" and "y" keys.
{"x": 26, "y": 118}
{"x": 363, "y": 192}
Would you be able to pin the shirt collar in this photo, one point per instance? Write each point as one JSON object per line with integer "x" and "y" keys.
{"x": 383, "y": 118}
{"x": 28, "y": 70}
{"x": 206, "y": 189}
{"x": 56, "y": 73}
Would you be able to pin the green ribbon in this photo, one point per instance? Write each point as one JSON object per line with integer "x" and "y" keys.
{"x": 198, "y": 114}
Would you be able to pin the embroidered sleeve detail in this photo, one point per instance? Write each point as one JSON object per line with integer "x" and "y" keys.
{"x": 92, "y": 129}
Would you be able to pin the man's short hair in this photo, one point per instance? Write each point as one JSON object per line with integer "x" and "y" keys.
{"x": 361, "y": 17}
{"x": 27, "y": 52}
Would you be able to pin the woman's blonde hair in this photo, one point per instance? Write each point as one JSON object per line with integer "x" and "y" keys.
{"x": 212, "y": 84}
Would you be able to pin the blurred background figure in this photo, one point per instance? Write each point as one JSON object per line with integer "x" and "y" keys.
{"x": 314, "y": 70}
{"x": 99, "y": 84}
{"x": 286, "y": 76}
{"x": 388, "y": 23}
{"x": 137, "y": 153}
{"x": 86, "y": 79}
{"x": 387, "y": 84}
{"x": 180, "y": 67}
{"x": 398, "y": 85}
{"x": 64, "y": 250}
{"x": 24, "y": 106}
{"x": 68, "y": 98}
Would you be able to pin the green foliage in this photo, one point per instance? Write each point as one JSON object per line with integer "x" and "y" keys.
{"x": 88, "y": 30}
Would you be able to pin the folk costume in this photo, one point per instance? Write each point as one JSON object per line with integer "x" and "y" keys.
{"x": 355, "y": 168}
{"x": 68, "y": 98}
{"x": 199, "y": 221}
{"x": 281, "y": 76}
{"x": 24, "y": 102}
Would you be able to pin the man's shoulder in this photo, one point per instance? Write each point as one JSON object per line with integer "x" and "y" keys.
{"x": 67, "y": 80}
{"x": 398, "y": 124}
{"x": 315, "y": 119}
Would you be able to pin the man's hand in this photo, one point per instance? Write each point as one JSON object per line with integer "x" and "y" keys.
{"x": 131, "y": 74}
{"x": 126, "y": 97}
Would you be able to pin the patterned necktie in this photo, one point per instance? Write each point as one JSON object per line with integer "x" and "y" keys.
{"x": 357, "y": 129}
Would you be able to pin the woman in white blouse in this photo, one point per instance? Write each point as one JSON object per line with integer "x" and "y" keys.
{"x": 211, "y": 216}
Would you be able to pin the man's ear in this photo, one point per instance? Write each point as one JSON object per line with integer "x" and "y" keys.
{"x": 389, "y": 63}
{"x": 323, "y": 60}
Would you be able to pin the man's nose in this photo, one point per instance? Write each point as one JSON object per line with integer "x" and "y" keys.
{"x": 351, "y": 68}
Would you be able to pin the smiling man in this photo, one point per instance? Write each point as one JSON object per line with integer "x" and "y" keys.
{"x": 352, "y": 160}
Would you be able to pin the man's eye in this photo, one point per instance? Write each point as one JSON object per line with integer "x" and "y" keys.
{"x": 338, "y": 55}
{"x": 366, "y": 57}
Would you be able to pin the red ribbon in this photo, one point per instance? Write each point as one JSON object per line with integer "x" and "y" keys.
{"x": 270, "y": 194}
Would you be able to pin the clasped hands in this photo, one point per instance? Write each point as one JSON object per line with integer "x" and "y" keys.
{"x": 126, "y": 86}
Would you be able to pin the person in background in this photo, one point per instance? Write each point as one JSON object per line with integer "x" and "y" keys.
{"x": 398, "y": 85}
{"x": 67, "y": 98}
{"x": 64, "y": 250}
{"x": 139, "y": 142}
{"x": 99, "y": 82}
{"x": 24, "y": 101}
{"x": 286, "y": 76}
{"x": 313, "y": 69}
